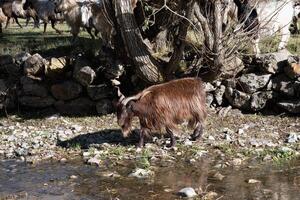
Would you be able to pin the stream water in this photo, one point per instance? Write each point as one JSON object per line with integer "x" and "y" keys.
{"x": 76, "y": 180}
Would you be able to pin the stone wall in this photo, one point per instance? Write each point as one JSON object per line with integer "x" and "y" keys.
{"x": 79, "y": 86}
{"x": 267, "y": 81}
{"x": 70, "y": 85}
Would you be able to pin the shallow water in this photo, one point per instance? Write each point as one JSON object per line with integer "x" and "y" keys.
{"x": 52, "y": 180}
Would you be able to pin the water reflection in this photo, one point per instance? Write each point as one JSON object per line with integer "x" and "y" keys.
{"x": 52, "y": 181}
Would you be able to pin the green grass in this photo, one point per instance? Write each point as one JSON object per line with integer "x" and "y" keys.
{"x": 28, "y": 39}
{"x": 15, "y": 40}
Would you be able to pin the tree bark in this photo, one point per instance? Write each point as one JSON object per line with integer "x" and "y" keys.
{"x": 147, "y": 67}
{"x": 218, "y": 50}
{"x": 179, "y": 42}
{"x": 208, "y": 36}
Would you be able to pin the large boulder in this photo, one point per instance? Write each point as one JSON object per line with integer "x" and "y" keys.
{"x": 66, "y": 90}
{"x": 259, "y": 100}
{"x": 77, "y": 106}
{"x": 285, "y": 85}
{"x": 209, "y": 99}
{"x": 219, "y": 94}
{"x": 6, "y": 59}
{"x": 11, "y": 69}
{"x": 104, "y": 107}
{"x": 237, "y": 98}
{"x": 34, "y": 66}
{"x": 251, "y": 83}
{"x": 85, "y": 75}
{"x": 208, "y": 87}
{"x": 292, "y": 69}
{"x": 272, "y": 62}
{"x": 35, "y": 89}
{"x": 114, "y": 71}
{"x": 292, "y": 106}
{"x": 36, "y": 102}
{"x": 232, "y": 67}
{"x": 97, "y": 92}
{"x": 20, "y": 58}
{"x": 3, "y": 93}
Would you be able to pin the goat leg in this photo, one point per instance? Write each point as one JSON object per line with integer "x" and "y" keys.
{"x": 173, "y": 139}
{"x": 27, "y": 21}
{"x": 7, "y": 22}
{"x": 53, "y": 26}
{"x": 89, "y": 30}
{"x": 45, "y": 27}
{"x": 197, "y": 132}
{"x": 142, "y": 138}
{"x": 16, "y": 19}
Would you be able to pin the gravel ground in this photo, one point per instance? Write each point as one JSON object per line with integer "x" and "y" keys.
{"x": 236, "y": 137}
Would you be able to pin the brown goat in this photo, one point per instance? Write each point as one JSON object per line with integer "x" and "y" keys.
{"x": 164, "y": 106}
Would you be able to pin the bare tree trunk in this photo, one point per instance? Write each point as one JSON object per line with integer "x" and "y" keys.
{"x": 147, "y": 67}
{"x": 208, "y": 36}
{"x": 218, "y": 49}
{"x": 179, "y": 42}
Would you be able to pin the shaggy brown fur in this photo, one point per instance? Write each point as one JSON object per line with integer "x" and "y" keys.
{"x": 164, "y": 106}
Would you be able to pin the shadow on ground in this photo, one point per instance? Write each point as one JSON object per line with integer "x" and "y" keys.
{"x": 111, "y": 136}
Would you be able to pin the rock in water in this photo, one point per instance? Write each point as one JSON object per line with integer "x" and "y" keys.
{"x": 141, "y": 173}
{"x": 188, "y": 192}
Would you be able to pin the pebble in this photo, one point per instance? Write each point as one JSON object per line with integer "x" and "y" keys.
{"x": 236, "y": 162}
{"x": 76, "y": 127}
{"x": 293, "y": 137}
{"x": 210, "y": 195}
{"x": 241, "y": 131}
{"x": 141, "y": 173}
{"x": 211, "y": 138}
{"x": 188, "y": 142}
{"x": 73, "y": 177}
{"x": 188, "y": 192}
{"x": 286, "y": 149}
{"x": 219, "y": 176}
{"x": 94, "y": 161}
{"x": 252, "y": 181}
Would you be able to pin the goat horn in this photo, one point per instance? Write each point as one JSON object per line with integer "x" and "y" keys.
{"x": 135, "y": 97}
{"x": 120, "y": 95}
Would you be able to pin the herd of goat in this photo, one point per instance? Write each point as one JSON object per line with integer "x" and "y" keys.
{"x": 271, "y": 15}
{"x": 78, "y": 14}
